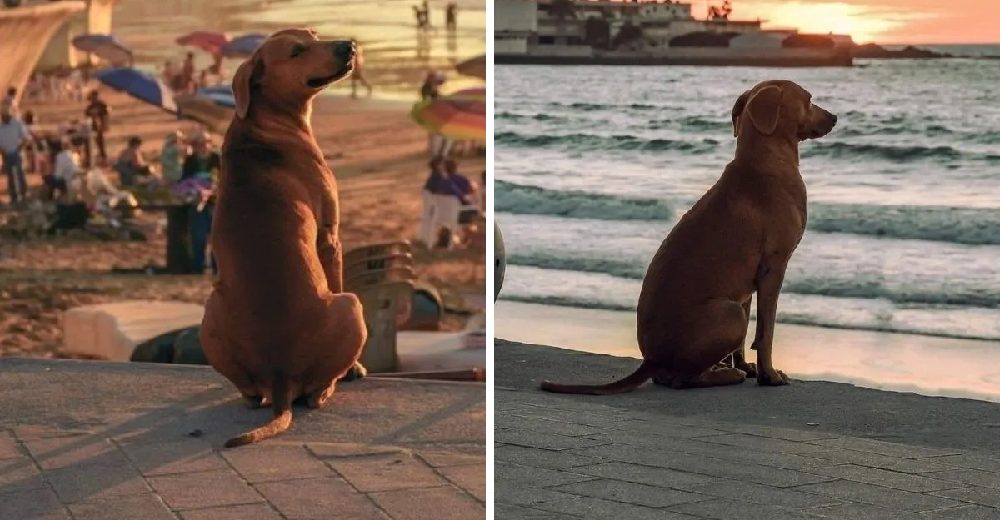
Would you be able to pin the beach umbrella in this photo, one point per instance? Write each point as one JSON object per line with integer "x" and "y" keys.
{"x": 243, "y": 46}
{"x": 208, "y": 41}
{"x": 104, "y": 46}
{"x": 221, "y": 95}
{"x": 460, "y": 115}
{"x": 139, "y": 85}
{"x": 475, "y": 67}
{"x": 205, "y": 111}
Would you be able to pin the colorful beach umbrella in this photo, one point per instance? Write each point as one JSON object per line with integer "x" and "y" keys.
{"x": 243, "y": 46}
{"x": 475, "y": 67}
{"x": 208, "y": 41}
{"x": 104, "y": 46}
{"x": 139, "y": 85}
{"x": 460, "y": 115}
{"x": 221, "y": 95}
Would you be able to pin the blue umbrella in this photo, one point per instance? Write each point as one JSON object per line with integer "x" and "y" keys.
{"x": 104, "y": 46}
{"x": 139, "y": 85}
{"x": 243, "y": 46}
{"x": 221, "y": 95}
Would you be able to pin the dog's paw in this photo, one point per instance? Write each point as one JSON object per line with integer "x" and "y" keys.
{"x": 749, "y": 368}
{"x": 358, "y": 371}
{"x": 771, "y": 378}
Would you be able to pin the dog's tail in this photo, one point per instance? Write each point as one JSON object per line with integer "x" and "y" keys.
{"x": 626, "y": 384}
{"x": 281, "y": 401}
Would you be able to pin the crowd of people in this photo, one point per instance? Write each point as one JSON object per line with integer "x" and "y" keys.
{"x": 422, "y": 13}
{"x": 452, "y": 203}
{"x": 186, "y": 79}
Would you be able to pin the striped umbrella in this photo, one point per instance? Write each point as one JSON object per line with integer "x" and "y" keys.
{"x": 460, "y": 115}
{"x": 139, "y": 85}
{"x": 104, "y": 46}
{"x": 221, "y": 95}
{"x": 243, "y": 46}
{"x": 208, "y": 41}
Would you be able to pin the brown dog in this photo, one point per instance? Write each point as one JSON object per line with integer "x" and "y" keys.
{"x": 277, "y": 324}
{"x": 694, "y": 308}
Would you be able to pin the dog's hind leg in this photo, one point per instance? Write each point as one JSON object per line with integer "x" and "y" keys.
{"x": 713, "y": 331}
{"x": 710, "y": 377}
{"x": 320, "y": 397}
{"x": 739, "y": 356}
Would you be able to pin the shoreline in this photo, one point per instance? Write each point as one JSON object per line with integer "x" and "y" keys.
{"x": 903, "y": 363}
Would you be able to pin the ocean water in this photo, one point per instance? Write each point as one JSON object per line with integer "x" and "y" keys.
{"x": 595, "y": 164}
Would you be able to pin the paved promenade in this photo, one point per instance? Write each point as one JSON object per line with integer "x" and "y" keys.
{"x": 808, "y": 450}
{"x": 107, "y": 441}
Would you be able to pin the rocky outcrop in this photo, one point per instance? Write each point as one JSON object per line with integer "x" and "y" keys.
{"x": 875, "y": 51}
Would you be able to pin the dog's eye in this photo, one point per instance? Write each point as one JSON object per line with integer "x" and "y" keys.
{"x": 298, "y": 49}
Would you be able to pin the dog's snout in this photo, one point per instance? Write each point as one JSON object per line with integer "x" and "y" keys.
{"x": 833, "y": 117}
{"x": 344, "y": 50}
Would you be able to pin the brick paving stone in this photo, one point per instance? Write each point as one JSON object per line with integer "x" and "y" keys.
{"x": 601, "y": 509}
{"x": 324, "y": 450}
{"x": 442, "y": 459}
{"x": 146, "y": 506}
{"x": 470, "y": 478}
{"x": 8, "y": 446}
{"x": 540, "y": 458}
{"x": 95, "y": 481}
{"x": 661, "y": 429}
{"x": 33, "y": 504}
{"x": 764, "y": 495}
{"x": 238, "y": 512}
{"x": 62, "y": 452}
{"x": 891, "y": 479}
{"x": 200, "y": 490}
{"x": 266, "y": 462}
{"x": 386, "y": 472}
{"x": 530, "y": 477}
{"x": 977, "y": 495}
{"x": 443, "y": 503}
{"x": 20, "y": 474}
{"x": 764, "y": 458}
{"x": 165, "y": 458}
{"x": 974, "y": 477}
{"x": 510, "y": 512}
{"x": 879, "y": 496}
{"x": 516, "y": 493}
{"x": 875, "y": 460}
{"x": 650, "y": 475}
{"x": 778, "y": 433}
{"x": 854, "y": 511}
{"x": 971, "y": 461}
{"x": 315, "y": 498}
{"x": 630, "y": 492}
{"x": 546, "y": 442}
{"x": 551, "y": 426}
{"x": 891, "y": 449}
{"x": 768, "y": 444}
{"x": 734, "y": 510}
{"x": 972, "y": 512}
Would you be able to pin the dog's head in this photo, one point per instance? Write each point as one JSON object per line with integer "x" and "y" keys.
{"x": 780, "y": 107}
{"x": 291, "y": 67}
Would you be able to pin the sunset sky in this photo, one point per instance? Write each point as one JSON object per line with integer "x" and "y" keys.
{"x": 882, "y": 21}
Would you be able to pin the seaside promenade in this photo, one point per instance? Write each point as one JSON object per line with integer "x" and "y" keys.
{"x": 806, "y": 450}
{"x": 109, "y": 441}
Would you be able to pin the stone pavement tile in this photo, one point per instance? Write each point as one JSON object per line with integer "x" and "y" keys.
{"x": 540, "y": 458}
{"x": 386, "y": 472}
{"x": 34, "y": 504}
{"x": 777, "y": 433}
{"x": 20, "y": 474}
{"x": 443, "y": 459}
{"x": 546, "y": 442}
{"x": 630, "y": 492}
{"x": 443, "y": 503}
{"x": 767, "y": 444}
{"x": 971, "y": 512}
{"x": 764, "y": 495}
{"x": 734, "y": 510}
{"x": 649, "y": 475}
{"x": 548, "y": 426}
{"x": 517, "y": 493}
{"x": 165, "y": 458}
{"x": 891, "y": 449}
{"x": 592, "y": 418}
{"x": 534, "y": 477}
{"x": 976, "y": 495}
{"x": 8, "y": 446}
{"x": 146, "y": 507}
{"x": 470, "y": 478}
{"x": 974, "y": 477}
{"x": 880, "y": 496}
{"x": 874, "y": 460}
{"x": 267, "y": 462}
{"x": 749, "y": 456}
{"x": 511, "y": 512}
{"x": 63, "y": 452}
{"x": 660, "y": 428}
{"x": 971, "y": 460}
{"x": 890, "y": 479}
{"x": 600, "y": 509}
{"x": 238, "y": 512}
{"x": 327, "y": 497}
{"x": 325, "y": 450}
{"x": 95, "y": 481}
{"x": 704, "y": 465}
{"x": 199, "y": 490}
{"x": 855, "y": 511}
{"x": 33, "y": 431}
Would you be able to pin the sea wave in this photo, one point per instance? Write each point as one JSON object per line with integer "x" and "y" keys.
{"x": 973, "y": 226}
{"x": 514, "y": 116}
{"x": 590, "y": 107}
{"x": 580, "y": 142}
{"x": 814, "y": 284}
{"x": 893, "y": 153}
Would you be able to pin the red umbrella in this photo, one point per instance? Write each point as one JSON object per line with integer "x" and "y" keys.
{"x": 207, "y": 41}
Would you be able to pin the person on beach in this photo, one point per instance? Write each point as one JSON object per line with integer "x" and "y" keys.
{"x": 451, "y": 16}
{"x": 13, "y": 137}
{"x": 33, "y": 148}
{"x": 131, "y": 165}
{"x": 79, "y": 138}
{"x": 204, "y": 163}
{"x": 9, "y": 103}
{"x": 172, "y": 156}
{"x": 65, "y": 168}
{"x": 98, "y": 113}
{"x": 358, "y": 75}
{"x": 187, "y": 73}
{"x": 167, "y": 73}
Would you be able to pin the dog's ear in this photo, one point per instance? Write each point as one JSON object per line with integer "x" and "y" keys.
{"x": 764, "y": 109}
{"x": 741, "y": 103}
{"x": 247, "y": 77}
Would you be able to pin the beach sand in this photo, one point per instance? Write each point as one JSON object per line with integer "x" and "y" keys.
{"x": 925, "y": 365}
{"x": 379, "y": 158}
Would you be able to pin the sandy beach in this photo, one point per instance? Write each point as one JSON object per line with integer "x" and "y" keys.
{"x": 379, "y": 158}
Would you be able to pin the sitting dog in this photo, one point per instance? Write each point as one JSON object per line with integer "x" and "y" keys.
{"x": 277, "y": 324}
{"x": 694, "y": 307}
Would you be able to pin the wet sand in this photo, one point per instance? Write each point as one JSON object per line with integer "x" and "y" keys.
{"x": 377, "y": 154}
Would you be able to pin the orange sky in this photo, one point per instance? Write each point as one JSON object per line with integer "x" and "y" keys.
{"x": 882, "y": 21}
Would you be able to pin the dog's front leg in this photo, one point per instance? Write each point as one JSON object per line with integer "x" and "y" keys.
{"x": 770, "y": 275}
{"x": 331, "y": 257}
